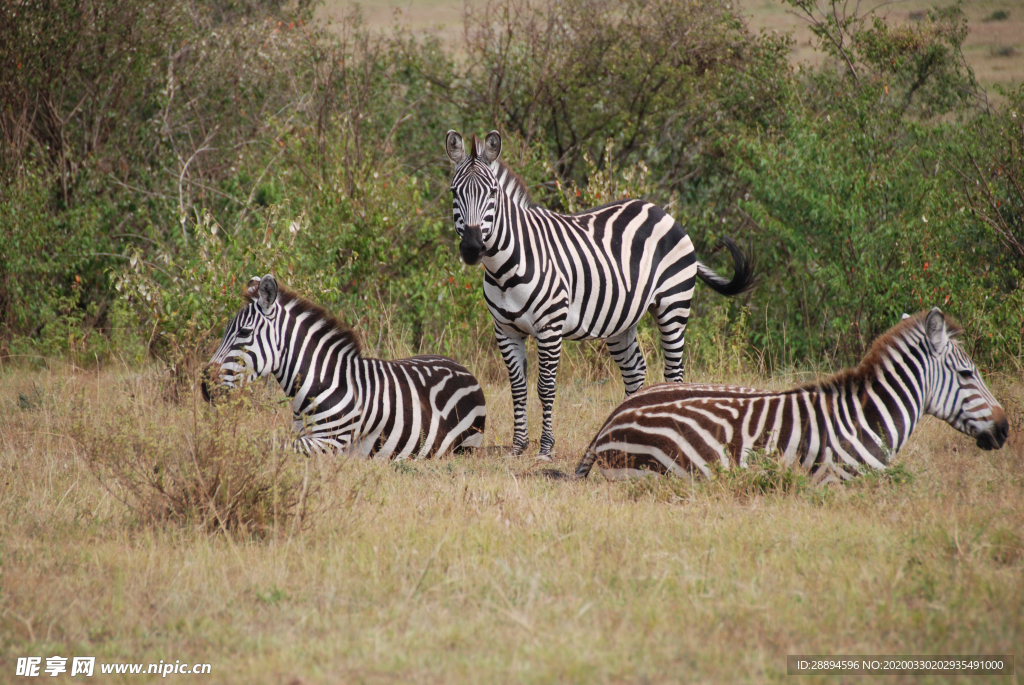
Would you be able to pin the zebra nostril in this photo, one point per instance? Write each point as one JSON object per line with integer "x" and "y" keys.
{"x": 994, "y": 437}
{"x": 1002, "y": 431}
{"x": 1000, "y": 428}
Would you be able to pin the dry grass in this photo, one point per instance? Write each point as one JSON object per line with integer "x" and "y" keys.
{"x": 479, "y": 569}
{"x": 993, "y": 48}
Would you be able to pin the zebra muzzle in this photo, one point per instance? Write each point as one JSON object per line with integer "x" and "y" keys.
{"x": 472, "y": 245}
{"x": 994, "y": 438}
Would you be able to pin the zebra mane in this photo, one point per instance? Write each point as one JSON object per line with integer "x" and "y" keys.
{"x": 301, "y": 304}
{"x": 878, "y": 351}
{"x": 509, "y": 181}
{"x": 512, "y": 183}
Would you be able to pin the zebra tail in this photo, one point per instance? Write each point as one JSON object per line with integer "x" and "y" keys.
{"x": 587, "y": 463}
{"x": 743, "y": 278}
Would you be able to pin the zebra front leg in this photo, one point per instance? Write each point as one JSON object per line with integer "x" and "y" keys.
{"x": 627, "y": 355}
{"x": 549, "y": 350}
{"x": 513, "y": 351}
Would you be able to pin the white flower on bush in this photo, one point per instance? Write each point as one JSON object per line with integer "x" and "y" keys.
{"x": 297, "y": 224}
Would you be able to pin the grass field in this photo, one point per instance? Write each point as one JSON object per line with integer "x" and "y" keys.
{"x": 994, "y": 48}
{"x": 480, "y": 569}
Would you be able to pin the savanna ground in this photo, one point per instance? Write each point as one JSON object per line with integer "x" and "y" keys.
{"x": 477, "y": 568}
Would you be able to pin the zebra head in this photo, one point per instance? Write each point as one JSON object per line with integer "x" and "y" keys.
{"x": 251, "y": 342}
{"x": 475, "y": 191}
{"x": 956, "y": 392}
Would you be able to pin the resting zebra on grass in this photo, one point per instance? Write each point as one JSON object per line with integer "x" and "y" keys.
{"x": 342, "y": 401}
{"x": 589, "y": 275}
{"x": 833, "y": 428}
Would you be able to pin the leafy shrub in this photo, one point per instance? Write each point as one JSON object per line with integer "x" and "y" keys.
{"x": 184, "y": 301}
{"x": 655, "y": 77}
{"x": 853, "y": 209}
{"x": 49, "y": 272}
{"x": 920, "y": 63}
{"x": 141, "y": 184}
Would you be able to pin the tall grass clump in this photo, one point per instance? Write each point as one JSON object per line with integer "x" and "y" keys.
{"x": 216, "y": 470}
{"x": 764, "y": 476}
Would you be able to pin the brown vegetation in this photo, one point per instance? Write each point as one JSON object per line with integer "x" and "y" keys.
{"x": 477, "y": 568}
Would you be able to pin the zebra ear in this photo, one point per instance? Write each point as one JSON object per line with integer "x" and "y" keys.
{"x": 251, "y": 290}
{"x": 935, "y": 327}
{"x": 268, "y": 292}
{"x": 492, "y": 147}
{"x": 454, "y": 146}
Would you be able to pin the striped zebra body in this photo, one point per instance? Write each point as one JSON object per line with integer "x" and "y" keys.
{"x": 591, "y": 275}
{"x": 342, "y": 401}
{"x": 833, "y": 429}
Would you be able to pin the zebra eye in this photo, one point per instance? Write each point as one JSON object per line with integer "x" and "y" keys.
{"x": 966, "y": 374}
{"x": 494, "y": 191}
{"x": 244, "y": 332}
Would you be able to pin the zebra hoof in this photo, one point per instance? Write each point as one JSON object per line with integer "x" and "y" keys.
{"x": 543, "y": 459}
{"x": 517, "y": 449}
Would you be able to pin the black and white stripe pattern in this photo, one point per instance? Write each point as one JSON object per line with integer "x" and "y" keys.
{"x": 833, "y": 428}
{"x": 343, "y": 402}
{"x": 590, "y": 275}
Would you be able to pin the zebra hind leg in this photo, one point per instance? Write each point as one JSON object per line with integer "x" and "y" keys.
{"x": 625, "y": 350}
{"x": 671, "y": 317}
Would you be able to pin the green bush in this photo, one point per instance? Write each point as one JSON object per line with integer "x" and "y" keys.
{"x": 175, "y": 149}
{"x": 871, "y": 207}
{"x": 654, "y": 77}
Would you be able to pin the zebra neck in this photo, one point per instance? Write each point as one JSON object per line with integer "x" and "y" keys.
{"x": 504, "y": 241}
{"x": 511, "y": 184}
{"x": 319, "y": 361}
{"x": 870, "y": 413}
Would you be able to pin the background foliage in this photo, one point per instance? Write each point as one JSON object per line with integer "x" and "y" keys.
{"x": 155, "y": 155}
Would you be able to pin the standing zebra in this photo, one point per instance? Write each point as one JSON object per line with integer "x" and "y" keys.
{"x": 342, "y": 401}
{"x": 832, "y": 428}
{"x": 589, "y": 275}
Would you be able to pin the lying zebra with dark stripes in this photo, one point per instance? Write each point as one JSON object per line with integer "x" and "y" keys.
{"x": 343, "y": 402}
{"x": 833, "y": 428}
